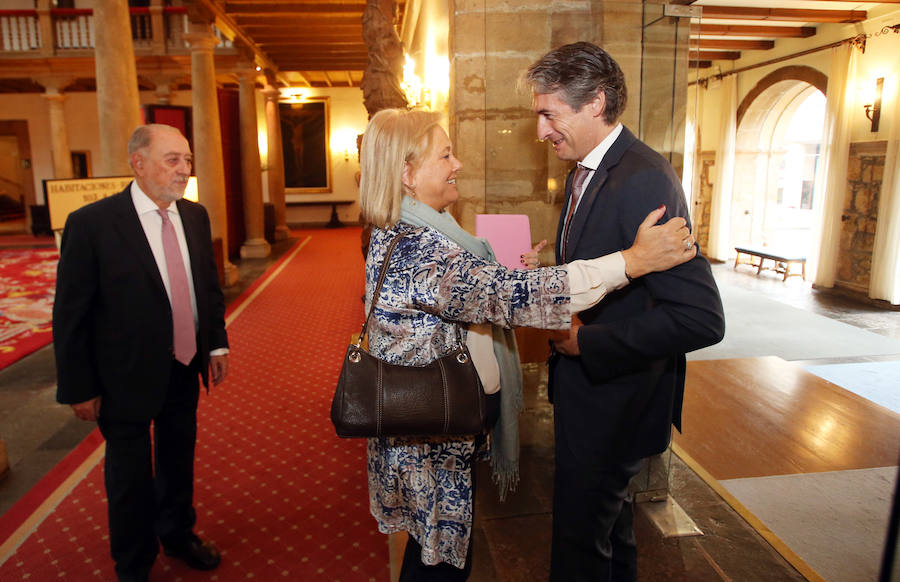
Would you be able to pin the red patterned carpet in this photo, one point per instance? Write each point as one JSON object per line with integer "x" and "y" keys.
{"x": 282, "y": 497}
{"x": 27, "y": 286}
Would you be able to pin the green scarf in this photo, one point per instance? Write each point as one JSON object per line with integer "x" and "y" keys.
{"x": 505, "y": 435}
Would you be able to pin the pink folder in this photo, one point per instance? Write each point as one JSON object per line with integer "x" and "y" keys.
{"x": 509, "y": 235}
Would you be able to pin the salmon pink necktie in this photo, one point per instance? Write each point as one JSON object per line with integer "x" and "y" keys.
{"x": 184, "y": 336}
{"x": 581, "y": 173}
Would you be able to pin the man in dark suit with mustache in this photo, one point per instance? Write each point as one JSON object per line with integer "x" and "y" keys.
{"x": 139, "y": 315}
{"x": 617, "y": 378}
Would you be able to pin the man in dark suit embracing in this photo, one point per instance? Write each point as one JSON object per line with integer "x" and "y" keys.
{"x": 617, "y": 377}
{"x": 138, "y": 315}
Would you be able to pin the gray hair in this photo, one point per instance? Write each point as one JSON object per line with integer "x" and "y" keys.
{"x": 143, "y": 135}
{"x": 580, "y": 71}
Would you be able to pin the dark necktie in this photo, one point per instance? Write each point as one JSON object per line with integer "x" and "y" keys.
{"x": 184, "y": 337}
{"x": 581, "y": 174}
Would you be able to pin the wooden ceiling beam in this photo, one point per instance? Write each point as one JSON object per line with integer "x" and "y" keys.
{"x": 764, "y": 31}
{"x": 299, "y": 8}
{"x": 783, "y": 14}
{"x": 293, "y": 30}
{"x": 338, "y": 42}
{"x": 732, "y": 44}
{"x": 341, "y": 62}
{"x": 337, "y": 63}
{"x": 714, "y": 56}
{"x": 323, "y": 66}
{"x": 323, "y": 51}
{"x": 299, "y": 22}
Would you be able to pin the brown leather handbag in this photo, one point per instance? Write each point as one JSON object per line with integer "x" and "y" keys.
{"x": 378, "y": 399}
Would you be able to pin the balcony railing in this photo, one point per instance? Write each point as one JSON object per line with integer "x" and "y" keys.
{"x": 20, "y": 30}
{"x": 73, "y": 30}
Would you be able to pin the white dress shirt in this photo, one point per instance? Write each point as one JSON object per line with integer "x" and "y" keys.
{"x": 589, "y": 282}
{"x": 151, "y": 222}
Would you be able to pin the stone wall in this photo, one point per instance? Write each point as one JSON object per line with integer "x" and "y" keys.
{"x": 700, "y": 213}
{"x": 506, "y": 170}
{"x": 864, "y": 176}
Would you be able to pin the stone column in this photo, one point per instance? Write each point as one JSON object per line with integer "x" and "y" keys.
{"x": 118, "y": 103}
{"x": 276, "y": 162}
{"x": 208, "y": 160}
{"x": 59, "y": 138}
{"x": 255, "y": 245}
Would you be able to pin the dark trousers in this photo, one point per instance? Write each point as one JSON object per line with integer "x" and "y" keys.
{"x": 413, "y": 569}
{"x": 593, "y": 522}
{"x": 150, "y": 496}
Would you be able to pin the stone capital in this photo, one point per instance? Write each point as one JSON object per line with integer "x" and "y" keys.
{"x": 54, "y": 95}
{"x": 53, "y": 85}
{"x": 246, "y": 73}
{"x": 271, "y": 93}
{"x": 201, "y": 41}
{"x": 164, "y": 86}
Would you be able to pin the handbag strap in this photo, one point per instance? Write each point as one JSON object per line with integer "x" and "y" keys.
{"x": 377, "y": 292}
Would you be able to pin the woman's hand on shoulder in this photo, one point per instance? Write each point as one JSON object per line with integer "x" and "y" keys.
{"x": 659, "y": 247}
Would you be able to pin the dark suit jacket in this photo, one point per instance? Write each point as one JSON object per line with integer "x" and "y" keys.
{"x": 618, "y": 400}
{"x": 112, "y": 321}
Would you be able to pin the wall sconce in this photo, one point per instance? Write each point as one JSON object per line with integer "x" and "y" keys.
{"x": 292, "y": 95}
{"x": 873, "y": 110}
{"x": 344, "y": 140}
{"x": 411, "y": 83}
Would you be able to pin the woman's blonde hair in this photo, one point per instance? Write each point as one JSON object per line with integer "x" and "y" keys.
{"x": 393, "y": 138}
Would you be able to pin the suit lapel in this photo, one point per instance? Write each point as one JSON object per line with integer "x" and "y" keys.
{"x": 593, "y": 189}
{"x": 191, "y": 228}
{"x": 130, "y": 229}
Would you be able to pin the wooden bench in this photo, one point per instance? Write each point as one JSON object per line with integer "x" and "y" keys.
{"x": 322, "y": 199}
{"x": 782, "y": 262}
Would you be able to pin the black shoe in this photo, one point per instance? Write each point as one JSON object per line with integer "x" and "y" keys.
{"x": 196, "y": 553}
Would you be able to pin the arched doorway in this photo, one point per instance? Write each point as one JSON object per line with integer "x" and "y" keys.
{"x": 777, "y": 148}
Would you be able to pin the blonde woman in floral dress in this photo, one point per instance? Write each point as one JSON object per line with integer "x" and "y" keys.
{"x": 441, "y": 277}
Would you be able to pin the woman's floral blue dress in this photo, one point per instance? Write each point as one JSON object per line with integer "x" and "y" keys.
{"x": 424, "y": 486}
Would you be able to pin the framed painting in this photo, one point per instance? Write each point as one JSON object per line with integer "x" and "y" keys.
{"x": 305, "y": 132}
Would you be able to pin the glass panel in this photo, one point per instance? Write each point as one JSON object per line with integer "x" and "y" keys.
{"x": 663, "y": 100}
{"x": 663, "y": 120}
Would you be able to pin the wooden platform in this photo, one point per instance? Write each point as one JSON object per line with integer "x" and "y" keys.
{"x": 754, "y": 417}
